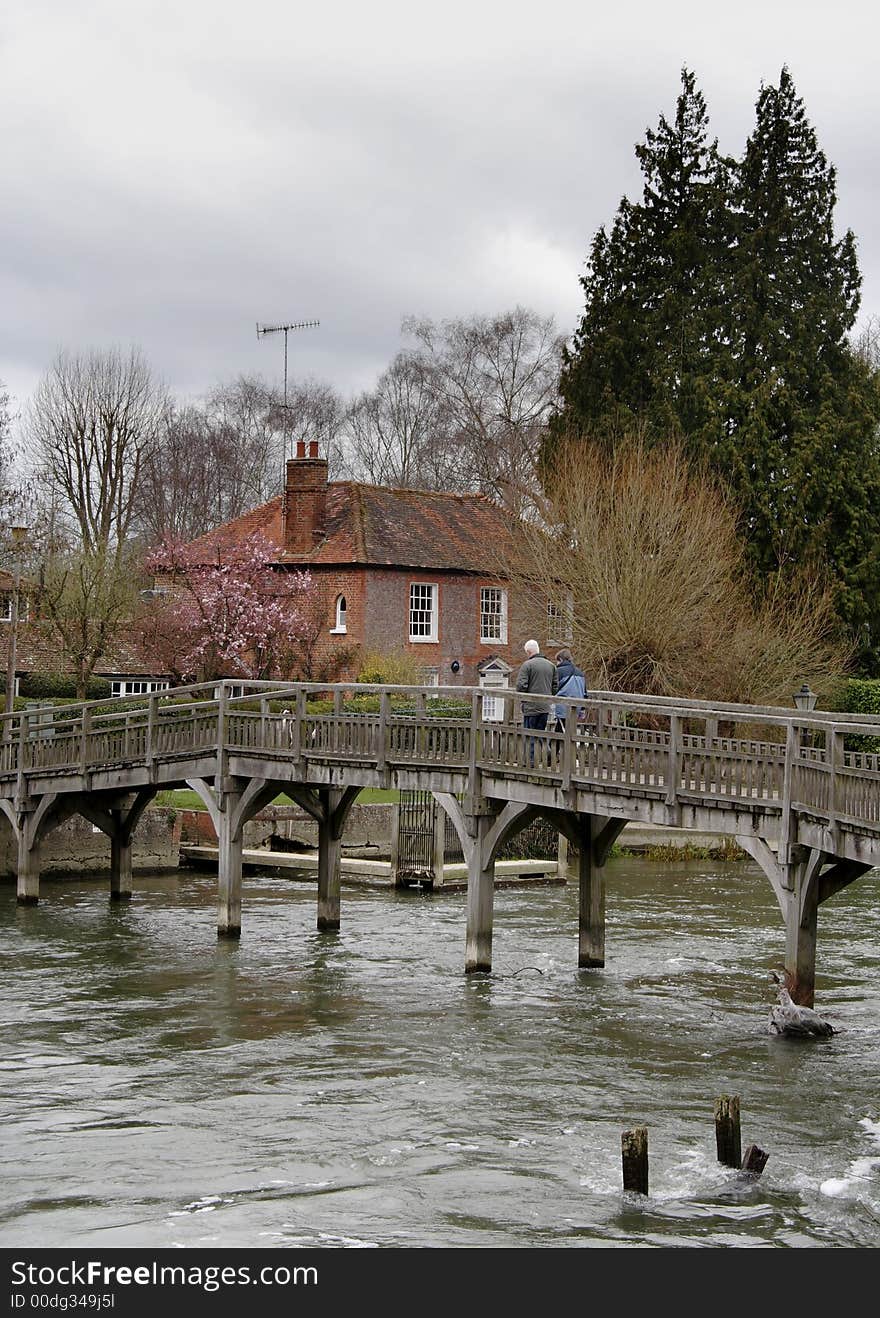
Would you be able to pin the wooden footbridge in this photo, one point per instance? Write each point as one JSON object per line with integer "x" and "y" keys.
{"x": 792, "y": 788}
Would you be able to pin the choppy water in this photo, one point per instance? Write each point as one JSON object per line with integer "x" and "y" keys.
{"x": 160, "y": 1088}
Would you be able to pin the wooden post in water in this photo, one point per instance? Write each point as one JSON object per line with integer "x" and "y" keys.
{"x": 634, "y": 1150}
{"x": 754, "y": 1160}
{"x": 727, "y": 1134}
{"x": 438, "y": 849}
{"x": 229, "y": 847}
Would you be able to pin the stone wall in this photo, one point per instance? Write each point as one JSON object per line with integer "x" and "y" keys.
{"x": 78, "y": 847}
{"x": 287, "y": 827}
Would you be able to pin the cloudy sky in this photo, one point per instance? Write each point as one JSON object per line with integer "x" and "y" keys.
{"x": 174, "y": 173}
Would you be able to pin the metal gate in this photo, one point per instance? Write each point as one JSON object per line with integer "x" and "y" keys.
{"x": 416, "y": 824}
{"x": 426, "y": 840}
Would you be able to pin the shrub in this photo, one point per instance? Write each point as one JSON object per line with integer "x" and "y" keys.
{"x": 394, "y": 668}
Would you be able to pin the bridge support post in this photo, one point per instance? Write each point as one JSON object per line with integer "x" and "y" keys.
{"x": 329, "y": 856}
{"x": 480, "y": 897}
{"x": 591, "y": 901}
{"x": 27, "y": 890}
{"x": 801, "y": 912}
{"x": 330, "y": 806}
{"x": 593, "y": 837}
{"x": 120, "y": 864}
{"x": 229, "y": 848}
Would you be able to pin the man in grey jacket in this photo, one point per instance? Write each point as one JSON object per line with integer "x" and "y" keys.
{"x": 537, "y": 676}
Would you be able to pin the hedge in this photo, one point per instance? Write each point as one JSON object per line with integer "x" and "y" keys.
{"x": 861, "y": 695}
{"x": 60, "y": 686}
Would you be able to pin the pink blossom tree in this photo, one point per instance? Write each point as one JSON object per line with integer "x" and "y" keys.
{"x": 232, "y": 615}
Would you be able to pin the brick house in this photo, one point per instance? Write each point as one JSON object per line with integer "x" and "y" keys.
{"x": 396, "y": 570}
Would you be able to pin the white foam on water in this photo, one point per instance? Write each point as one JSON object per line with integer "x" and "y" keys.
{"x": 862, "y": 1174}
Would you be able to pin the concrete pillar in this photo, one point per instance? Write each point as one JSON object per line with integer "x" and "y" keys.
{"x": 229, "y": 845}
{"x": 28, "y": 883}
{"x": 120, "y": 864}
{"x": 480, "y": 900}
{"x": 591, "y": 910}
{"x": 329, "y": 856}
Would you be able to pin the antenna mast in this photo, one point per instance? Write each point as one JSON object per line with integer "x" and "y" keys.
{"x": 285, "y": 329}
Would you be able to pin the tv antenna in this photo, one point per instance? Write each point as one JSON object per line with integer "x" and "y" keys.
{"x": 285, "y": 329}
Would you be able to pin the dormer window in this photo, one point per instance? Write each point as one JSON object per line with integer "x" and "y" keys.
{"x": 340, "y": 626}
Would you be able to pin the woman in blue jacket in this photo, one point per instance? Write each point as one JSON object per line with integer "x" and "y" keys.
{"x": 570, "y": 682}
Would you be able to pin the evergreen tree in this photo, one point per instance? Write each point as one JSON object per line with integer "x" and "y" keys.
{"x": 645, "y": 353}
{"x": 802, "y": 454}
{"x": 717, "y": 311}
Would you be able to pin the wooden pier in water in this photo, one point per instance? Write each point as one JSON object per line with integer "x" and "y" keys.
{"x": 791, "y": 787}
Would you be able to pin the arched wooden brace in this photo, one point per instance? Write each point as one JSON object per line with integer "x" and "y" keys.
{"x": 118, "y": 821}
{"x": 481, "y": 837}
{"x": 230, "y": 809}
{"x": 240, "y": 800}
{"x": 592, "y": 836}
{"x": 810, "y": 878}
{"x": 31, "y": 820}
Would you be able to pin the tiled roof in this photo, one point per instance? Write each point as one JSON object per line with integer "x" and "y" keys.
{"x": 373, "y": 525}
{"x": 37, "y": 650}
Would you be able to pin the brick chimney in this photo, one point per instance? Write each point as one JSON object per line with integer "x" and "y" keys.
{"x": 305, "y": 499}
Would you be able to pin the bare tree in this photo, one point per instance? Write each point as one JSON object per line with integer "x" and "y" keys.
{"x": 192, "y": 480}
{"x": 259, "y": 432}
{"x": 866, "y": 343}
{"x": 86, "y": 597}
{"x": 396, "y": 432}
{"x": 496, "y": 380}
{"x": 93, "y": 421}
{"x": 314, "y": 411}
{"x": 640, "y": 567}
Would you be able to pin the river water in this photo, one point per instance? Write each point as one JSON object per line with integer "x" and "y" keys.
{"x": 159, "y": 1088}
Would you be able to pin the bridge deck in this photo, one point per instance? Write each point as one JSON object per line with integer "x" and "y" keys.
{"x": 688, "y": 764}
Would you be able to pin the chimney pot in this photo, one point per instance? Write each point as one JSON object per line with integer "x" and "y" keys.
{"x": 313, "y": 448}
{"x": 300, "y": 448}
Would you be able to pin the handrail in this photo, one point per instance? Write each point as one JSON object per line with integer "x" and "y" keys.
{"x": 637, "y": 702}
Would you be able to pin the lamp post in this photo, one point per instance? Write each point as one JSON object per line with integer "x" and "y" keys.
{"x": 805, "y": 698}
{"x": 18, "y": 535}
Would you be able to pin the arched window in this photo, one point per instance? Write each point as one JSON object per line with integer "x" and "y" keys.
{"x": 340, "y": 615}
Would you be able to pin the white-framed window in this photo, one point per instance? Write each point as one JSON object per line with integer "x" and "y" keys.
{"x": 340, "y": 626}
{"x": 137, "y": 686}
{"x": 6, "y": 608}
{"x": 422, "y": 611}
{"x": 559, "y": 621}
{"x": 233, "y": 690}
{"x": 493, "y": 615}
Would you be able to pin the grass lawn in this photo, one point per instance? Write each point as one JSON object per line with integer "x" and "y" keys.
{"x": 185, "y": 799}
